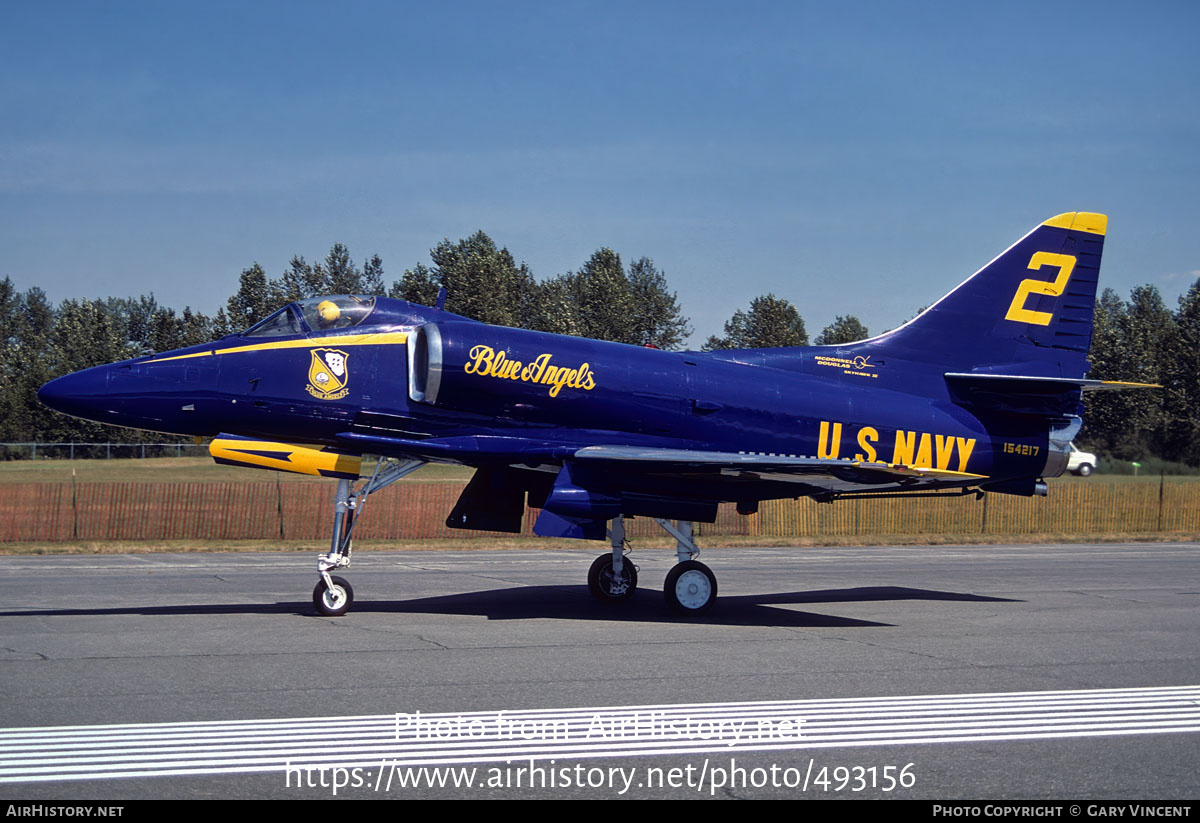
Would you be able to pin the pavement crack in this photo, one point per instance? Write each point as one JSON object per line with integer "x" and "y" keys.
{"x": 391, "y": 632}
{"x": 939, "y": 658}
{"x": 1104, "y": 596}
{"x": 433, "y": 643}
{"x": 25, "y": 654}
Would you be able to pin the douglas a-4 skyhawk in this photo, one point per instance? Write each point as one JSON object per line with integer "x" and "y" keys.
{"x": 979, "y": 393}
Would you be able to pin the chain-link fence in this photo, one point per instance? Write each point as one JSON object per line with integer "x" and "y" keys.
{"x": 99, "y": 451}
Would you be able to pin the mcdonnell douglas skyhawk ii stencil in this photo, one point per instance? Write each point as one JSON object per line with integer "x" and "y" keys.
{"x": 982, "y": 392}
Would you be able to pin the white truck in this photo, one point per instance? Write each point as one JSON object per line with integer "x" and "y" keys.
{"x": 1080, "y": 462}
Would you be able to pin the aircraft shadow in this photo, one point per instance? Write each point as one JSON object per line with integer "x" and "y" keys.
{"x": 575, "y": 603}
{"x": 647, "y": 606}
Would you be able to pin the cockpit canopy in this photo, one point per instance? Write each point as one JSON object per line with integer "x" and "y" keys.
{"x": 317, "y": 314}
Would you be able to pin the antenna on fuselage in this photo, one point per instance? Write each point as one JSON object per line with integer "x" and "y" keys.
{"x": 441, "y": 301}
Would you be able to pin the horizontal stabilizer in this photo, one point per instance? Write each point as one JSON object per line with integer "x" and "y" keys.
{"x": 1027, "y": 394}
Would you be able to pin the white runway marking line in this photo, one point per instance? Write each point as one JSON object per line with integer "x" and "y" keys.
{"x": 239, "y": 746}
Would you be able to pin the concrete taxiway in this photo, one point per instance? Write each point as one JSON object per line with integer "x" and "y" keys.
{"x": 1083, "y": 655}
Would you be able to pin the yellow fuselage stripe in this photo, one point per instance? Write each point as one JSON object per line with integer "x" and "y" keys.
{"x": 376, "y": 339}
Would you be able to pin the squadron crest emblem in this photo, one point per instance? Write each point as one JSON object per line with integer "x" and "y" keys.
{"x": 327, "y": 374}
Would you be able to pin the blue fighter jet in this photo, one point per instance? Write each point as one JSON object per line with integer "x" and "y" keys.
{"x": 982, "y": 392}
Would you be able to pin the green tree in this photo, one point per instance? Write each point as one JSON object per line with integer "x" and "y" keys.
{"x": 254, "y": 300}
{"x": 1181, "y": 380}
{"x": 771, "y": 321}
{"x": 337, "y": 275}
{"x": 419, "y": 285}
{"x": 132, "y": 318}
{"x": 300, "y": 281}
{"x": 175, "y": 332}
{"x": 222, "y": 325}
{"x": 848, "y": 329}
{"x": 1150, "y": 330}
{"x": 602, "y": 299}
{"x": 26, "y": 321}
{"x": 371, "y": 280}
{"x": 164, "y": 332}
{"x": 482, "y": 282}
{"x": 195, "y": 328}
{"x": 343, "y": 277}
{"x": 657, "y": 319}
{"x": 12, "y": 367}
{"x": 1135, "y": 342}
{"x": 1104, "y": 411}
{"x": 604, "y": 302}
{"x": 554, "y": 307}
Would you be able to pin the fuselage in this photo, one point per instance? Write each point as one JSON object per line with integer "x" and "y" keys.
{"x": 414, "y": 373}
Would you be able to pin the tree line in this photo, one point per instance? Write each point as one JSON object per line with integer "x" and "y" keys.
{"x": 1139, "y": 340}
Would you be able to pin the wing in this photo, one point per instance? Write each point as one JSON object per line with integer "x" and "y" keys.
{"x": 642, "y": 470}
{"x": 790, "y": 476}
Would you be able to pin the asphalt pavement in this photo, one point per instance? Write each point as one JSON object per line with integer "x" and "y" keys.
{"x": 983, "y": 672}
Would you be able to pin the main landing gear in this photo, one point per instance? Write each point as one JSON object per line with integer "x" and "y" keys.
{"x": 333, "y": 595}
{"x": 690, "y": 588}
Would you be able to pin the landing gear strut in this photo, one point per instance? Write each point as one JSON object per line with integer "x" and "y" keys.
{"x": 333, "y": 596}
{"x": 613, "y": 576}
{"x": 691, "y": 587}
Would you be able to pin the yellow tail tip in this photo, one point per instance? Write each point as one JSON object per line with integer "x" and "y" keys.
{"x": 1080, "y": 221}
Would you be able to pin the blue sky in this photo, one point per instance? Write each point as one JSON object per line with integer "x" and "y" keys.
{"x": 853, "y": 158}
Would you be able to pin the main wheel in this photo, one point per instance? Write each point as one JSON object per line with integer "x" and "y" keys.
{"x": 333, "y": 602}
{"x": 604, "y": 585}
{"x": 691, "y": 588}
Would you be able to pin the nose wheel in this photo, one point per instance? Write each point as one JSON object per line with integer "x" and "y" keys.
{"x": 607, "y": 585}
{"x": 333, "y": 599}
{"x": 613, "y": 576}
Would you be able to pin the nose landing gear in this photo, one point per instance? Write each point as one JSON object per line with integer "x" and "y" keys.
{"x": 613, "y": 576}
{"x": 333, "y": 596}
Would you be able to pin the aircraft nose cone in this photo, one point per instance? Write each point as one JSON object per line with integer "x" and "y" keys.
{"x": 76, "y": 394}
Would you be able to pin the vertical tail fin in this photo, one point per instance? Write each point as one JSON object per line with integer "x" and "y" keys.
{"x": 1029, "y": 311}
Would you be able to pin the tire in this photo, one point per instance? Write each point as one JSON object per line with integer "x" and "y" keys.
{"x": 690, "y": 588}
{"x": 600, "y": 579}
{"x": 333, "y": 602}
{"x": 1084, "y": 470}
